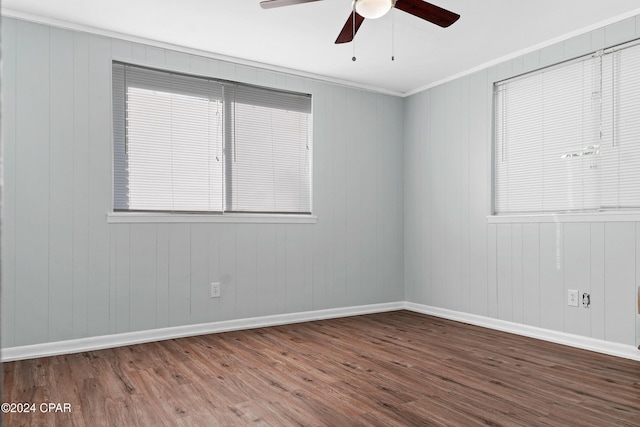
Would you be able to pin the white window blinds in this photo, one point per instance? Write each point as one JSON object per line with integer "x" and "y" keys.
{"x": 191, "y": 144}
{"x": 620, "y": 151}
{"x": 271, "y": 159}
{"x": 558, "y": 141}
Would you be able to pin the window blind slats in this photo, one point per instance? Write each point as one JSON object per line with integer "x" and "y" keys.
{"x": 185, "y": 143}
{"x": 620, "y": 150}
{"x": 567, "y": 137}
{"x": 272, "y": 160}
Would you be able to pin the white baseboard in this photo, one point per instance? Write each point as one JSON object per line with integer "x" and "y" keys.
{"x": 130, "y": 338}
{"x": 585, "y": 343}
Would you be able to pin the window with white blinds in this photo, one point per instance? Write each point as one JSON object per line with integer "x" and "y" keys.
{"x": 191, "y": 144}
{"x": 566, "y": 138}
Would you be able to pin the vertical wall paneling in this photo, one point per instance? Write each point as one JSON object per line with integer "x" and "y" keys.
{"x": 99, "y": 143}
{"x": 227, "y": 70}
{"x": 504, "y": 271}
{"x": 552, "y": 295}
{"x": 577, "y": 46}
{"x": 465, "y": 209}
{"x": 619, "y": 279}
{"x": 215, "y": 275}
{"x": 391, "y": 139}
{"x": 267, "y": 270}
{"x": 413, "y": 188}
{"x": 8, "y": 127}
{"x": 155, "y": 55}
{"x": 138, "y": 52}
{"x": 596, "y": 277}
{"x": 369, "y": 275}
{"x": 174, "y": 60}
{"x": 531, "y": 61}
{"x": 322, "y": 205}
{"x": 179, "y": 274}
{"x": 162, "y": 275}
{"x": 143, "y": 270}
{"x": 637, "y": 285}
{"x": 620, "y": 31}
{"x": 521, "y": 271}
{"x": 454, "y": 199}
{"x": 122, "y": 263}
{"x": 281, "y": 266}
{"x": 531, "y": 274}
{"x": 438, "y": 193}
{"x": 294, "y": 277}
{"x": 421, "y": 217}
{"x": 307, "y": 271}
{"x": 76, "y": 275}
{"x": 552, "y": 54}
{"x": 516, "y": 273}
{"x": 479, "y": 148}
{"x": 214, "y": 67}
{"x": 517, "y": 65}
{"x": 198, "y": 65}
{"x": 113, "y": 281}
{"x": 492, "y": 271}
{"x": 354, "y": 146}
{"x": 246, "y": 274}
{"x": 200, "y": 290}
{"x": 577, "y": 258}
{"x": 228, "y": 251}
{"x": 80, "y": 167}
{"x": 492, "y": 285}
{"x": 339, "y": 174}
{"x": 598, "y": 39}
{"x": 60, "y": 186}
{"x": 121, "y": 50}
{"x": 503, "y": 70}
{"x": 32, "y": 185}
{"x": 247, "y": 74}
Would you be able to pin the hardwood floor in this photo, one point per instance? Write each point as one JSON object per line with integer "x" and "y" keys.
{"x": 390, "y": 369}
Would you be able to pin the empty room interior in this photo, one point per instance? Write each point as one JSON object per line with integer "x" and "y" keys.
{"x": 320, "y": 212}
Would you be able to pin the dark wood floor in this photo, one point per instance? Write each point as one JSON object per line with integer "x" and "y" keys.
{"x": 397, "y": 368}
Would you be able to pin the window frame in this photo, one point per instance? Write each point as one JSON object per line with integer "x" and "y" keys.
{"x": 167, "y": 216}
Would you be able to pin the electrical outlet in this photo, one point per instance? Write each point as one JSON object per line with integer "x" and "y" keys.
{"x": 572, "y": 297}
{"x": 586, "y": 300}
{"x": 215, "y": 290}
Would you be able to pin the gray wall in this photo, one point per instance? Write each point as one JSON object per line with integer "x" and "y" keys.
{"x": 68, "y": 274}
{"x": 516, "y": 272}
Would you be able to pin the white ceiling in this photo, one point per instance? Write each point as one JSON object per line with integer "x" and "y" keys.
{"x": 301, "y": 37}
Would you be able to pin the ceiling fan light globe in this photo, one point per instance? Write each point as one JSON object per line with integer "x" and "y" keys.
{"x": 372, "y": 9}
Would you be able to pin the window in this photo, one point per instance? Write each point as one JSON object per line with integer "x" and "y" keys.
{"x": 191, "y": 144}
{"x": 567, "y": 138}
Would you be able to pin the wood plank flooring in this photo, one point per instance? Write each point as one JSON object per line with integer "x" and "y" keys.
{"x": 390, "y": 369}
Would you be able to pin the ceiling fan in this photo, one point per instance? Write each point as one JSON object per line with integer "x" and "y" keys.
{"x": 372, "y": 9}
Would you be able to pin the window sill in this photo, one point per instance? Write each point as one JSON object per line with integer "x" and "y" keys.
{"x": 145, "y": 217}
{"x": 569, "y": 217}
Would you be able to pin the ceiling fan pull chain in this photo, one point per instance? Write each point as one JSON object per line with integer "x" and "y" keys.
{"x": 353, "y": 34}
{"x": 393, "y": 32}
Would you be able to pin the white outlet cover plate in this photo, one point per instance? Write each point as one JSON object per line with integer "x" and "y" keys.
{"x": 572, "y": 297}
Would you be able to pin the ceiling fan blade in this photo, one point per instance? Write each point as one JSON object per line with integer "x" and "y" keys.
{"x": 347, "y": 33}
{"x": 270, "y": 4}
{"x": 428, "y": 11}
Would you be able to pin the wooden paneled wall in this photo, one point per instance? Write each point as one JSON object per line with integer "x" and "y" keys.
{"x": 519, "y": 272}
{"x": 67, "y": 273}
